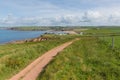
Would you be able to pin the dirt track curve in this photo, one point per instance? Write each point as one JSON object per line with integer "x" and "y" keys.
{"x": 32, "y": 71}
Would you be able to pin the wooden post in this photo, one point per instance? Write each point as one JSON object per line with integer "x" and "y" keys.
{"x": 112, "y": 42}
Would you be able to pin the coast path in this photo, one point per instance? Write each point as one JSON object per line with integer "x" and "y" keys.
{"x": 32, "y": 71}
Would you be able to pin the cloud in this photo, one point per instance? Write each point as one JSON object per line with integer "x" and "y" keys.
{"x": 63, "y": 12}
{"x": 86, "y": 18}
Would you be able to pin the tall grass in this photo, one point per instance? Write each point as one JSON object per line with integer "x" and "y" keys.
{"x": 14, "y": 57}
{"x": 109, "y": 40}
{"x": 86, "y": 59}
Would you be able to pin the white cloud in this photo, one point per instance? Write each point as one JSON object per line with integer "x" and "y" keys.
{"x": 91, "y": 18}
{"x": 44, "y": 12}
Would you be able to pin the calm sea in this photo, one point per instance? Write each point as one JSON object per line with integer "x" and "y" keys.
{"x": 11, "y": 35}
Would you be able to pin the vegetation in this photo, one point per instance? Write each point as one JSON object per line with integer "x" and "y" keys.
{"x": 43, "y": 28}
{"x": 90, "y": 58}
{"x": 116, "y": 41}
{"x": 103, "y": 31}
{"x": 14, "y": 57}
{"x": 87, "y": 59}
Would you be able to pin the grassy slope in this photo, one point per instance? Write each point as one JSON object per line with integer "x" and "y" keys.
{"x": 14, "y": 57}
{"x": 104, "y": 30}
{"x": 109, "y": 40}
{"x": 87, "y": 59}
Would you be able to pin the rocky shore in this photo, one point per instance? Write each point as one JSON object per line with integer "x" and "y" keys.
{"x": 38, "y": 39}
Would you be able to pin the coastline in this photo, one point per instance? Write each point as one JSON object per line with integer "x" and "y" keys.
{"x": 9, "y": 36}
{"x": 35, "y": 38}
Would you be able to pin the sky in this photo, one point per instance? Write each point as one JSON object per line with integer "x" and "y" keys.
{"x": 59, "y": 12}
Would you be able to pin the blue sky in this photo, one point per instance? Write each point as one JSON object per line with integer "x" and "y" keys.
{"x": 59, "y": 12}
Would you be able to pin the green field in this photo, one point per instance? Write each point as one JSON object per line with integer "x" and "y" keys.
{"x": 90, "y": 58}
{"x": 104, "y": 30}
{"x": 14, "y": 57}
{"x": 106, "y": 34}
{"x": 116, "y": 41}
{"x": 87, "y": 59}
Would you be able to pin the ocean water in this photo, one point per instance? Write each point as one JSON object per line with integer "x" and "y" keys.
{"x": 11, "y": 35}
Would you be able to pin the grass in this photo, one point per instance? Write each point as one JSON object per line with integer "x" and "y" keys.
{"x": 104, "y": 30}
{"x": 14, "y": 57}
{"x": 90, "y": 58}
{"x": 109, "y": 40}
{"x": 87, "y": 59}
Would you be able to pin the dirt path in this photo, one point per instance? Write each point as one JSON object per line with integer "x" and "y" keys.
{"x": 32, "y": 71}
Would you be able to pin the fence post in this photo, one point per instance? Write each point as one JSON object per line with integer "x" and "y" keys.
{"x": 112, "y": 42}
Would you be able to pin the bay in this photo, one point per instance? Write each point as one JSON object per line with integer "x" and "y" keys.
{"x": 12, "y": 35}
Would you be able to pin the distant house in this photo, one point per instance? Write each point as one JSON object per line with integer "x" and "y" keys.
{"x": 81, "y": 33}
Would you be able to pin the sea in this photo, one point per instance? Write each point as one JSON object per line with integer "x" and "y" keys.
{"x": 13, "y": 35}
